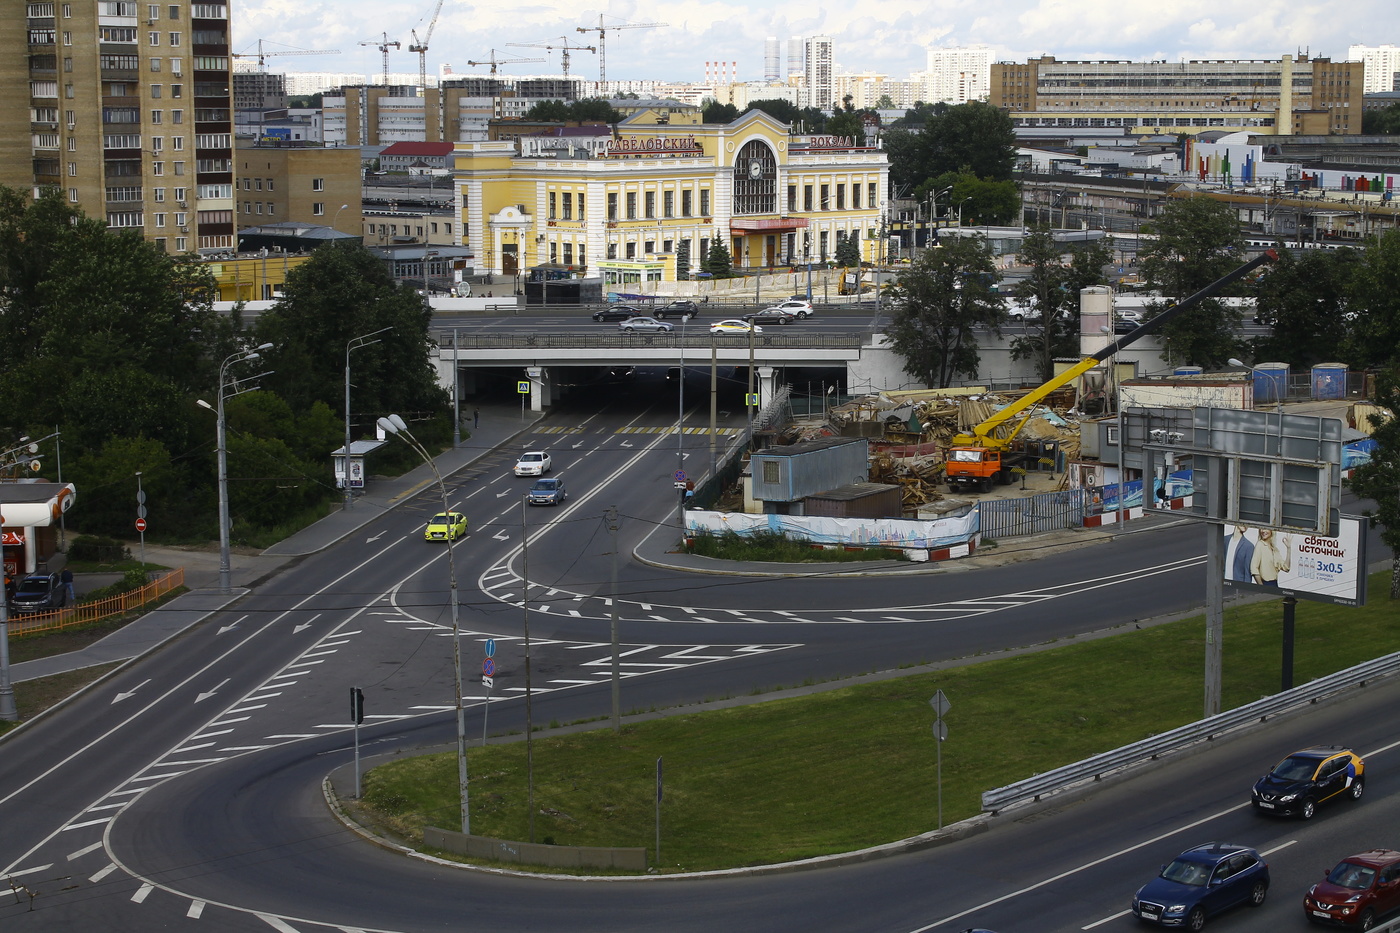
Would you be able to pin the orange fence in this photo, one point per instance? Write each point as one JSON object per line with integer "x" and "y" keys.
{"x": 99, "y": 609}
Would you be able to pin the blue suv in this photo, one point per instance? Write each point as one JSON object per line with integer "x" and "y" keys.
{"x": 1202, "y": 882}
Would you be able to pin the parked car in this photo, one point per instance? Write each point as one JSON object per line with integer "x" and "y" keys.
{"x": 1202, "y": 882}
{"x": 533, "y": 463}
{"x": 798, "y": 306}
{"x": 1358, "y": 892}
{"x": 681, "y": 309}
{"x": 38, "y": 592}
{"x": 616, "y": 313}
{"x": 445, "y": 526}
{"x": 547, "y": 492}
{"x": 645, "y": 325}
{"x": 1309, "y": 777}
{"x": 731, "y": 326}
{"x": 780, "y": 315}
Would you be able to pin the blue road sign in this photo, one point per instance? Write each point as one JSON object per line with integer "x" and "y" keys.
{"x": 490, "y": 647}
{"x": 680, "y": 476}
{"x": 488, "y": 667}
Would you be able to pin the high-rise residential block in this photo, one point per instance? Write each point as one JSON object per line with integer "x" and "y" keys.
{"x": 1382, "y": 64}
{"x": 129, "y": 114}
{"x": 956, "y": 76}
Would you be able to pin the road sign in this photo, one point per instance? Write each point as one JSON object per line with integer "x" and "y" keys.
{"x": 490, "y": 647}
{"x": 679, "y": 485}
{"x": 488, "y": 681}
{"x": 523, "y": 387}
{"x": 488, "y": 667}
{"x": 357, "y": 706}
{"x": 940, "y": 704}
{"x": 140, "y": 524}
{"x": 751, "y": 398}
{"x": 680, "y": 476}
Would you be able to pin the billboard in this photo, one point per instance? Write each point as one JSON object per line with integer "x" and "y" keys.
{"x": 1331, "y": 570}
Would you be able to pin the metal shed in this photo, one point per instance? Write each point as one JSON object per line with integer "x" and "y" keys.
{"x": 784, "y": 475}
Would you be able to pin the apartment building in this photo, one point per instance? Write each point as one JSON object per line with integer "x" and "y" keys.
{"x": 311, "y": 185}
{"x": 956, "y": 76}
{"x": 129, "y": 113}
{"x": 1382, "y": 64}
{"x": 1291, "y": 96}
{"x": 819, "y": 71}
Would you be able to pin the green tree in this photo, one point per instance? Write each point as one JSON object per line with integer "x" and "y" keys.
{"x": 715, "y": 112}
{"x": 1382, "y": 122}
{"x": 848, "y": 250}
{"x": 1197, "y": 241}
{"x": 548, "y": 111}
{"x": 1305, "y": 301}
{"x": 778, "y": 109}
{"x": 683, "y": 260}
{"x": 847, "y": 123}
{"x": 938, "y": 303}
{"x": 1052, "y": 317}
{"x": 718, "y": 263}
{"x": 340, "y": 293}
{"x": 1379, "y": 480}
{"x": 886, "y": 102}
{"x": 1374, "y": 342}
{"x": 105, "y": 477}
{"x": 974, "y": 137}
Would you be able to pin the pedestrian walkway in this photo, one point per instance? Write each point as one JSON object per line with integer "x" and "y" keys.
{"x": 247, "y": 567}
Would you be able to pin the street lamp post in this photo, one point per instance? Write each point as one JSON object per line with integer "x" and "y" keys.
{"x": 395, "y": 425}
{"x": 336, "y": 219}
{"x": 354, "y": 343}
{"x": 228, "y": 390}
{"x": 960, "y": 204}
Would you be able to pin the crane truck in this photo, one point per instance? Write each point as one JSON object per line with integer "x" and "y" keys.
{"x": 980, "y": 457}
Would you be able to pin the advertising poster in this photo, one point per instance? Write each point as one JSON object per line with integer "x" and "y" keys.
{"x": 1293, "y": 564}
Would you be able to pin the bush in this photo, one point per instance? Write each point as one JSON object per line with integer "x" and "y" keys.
{"x": 776, "y": 546}
{"x": 98, "y": 550}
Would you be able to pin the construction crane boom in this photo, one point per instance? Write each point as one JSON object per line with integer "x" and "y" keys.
{"x": 262, "y": 54}
{"x": 602, "y": 30}
{"x": 384, "y": 45}
{"x": 422, "y": 48}
{"x": 493, "y": 61}
{"x": 563, "y": 47}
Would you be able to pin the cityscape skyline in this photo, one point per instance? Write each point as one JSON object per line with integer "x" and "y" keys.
{"x": 886, "y": 36}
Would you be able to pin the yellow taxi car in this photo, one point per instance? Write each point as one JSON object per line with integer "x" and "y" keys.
{"x": 445, "y": 526}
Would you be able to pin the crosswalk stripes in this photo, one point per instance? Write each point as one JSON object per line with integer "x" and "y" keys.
{"x": 671, "y": 429}
{"x": 557, "y": 429}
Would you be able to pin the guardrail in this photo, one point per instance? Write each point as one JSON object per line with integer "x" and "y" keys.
{"x": 615, "y": 341}
{"x": 97, "y": 610}
{"x": 1095, "y": 768}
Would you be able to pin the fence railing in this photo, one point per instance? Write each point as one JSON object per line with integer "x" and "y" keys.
{"x": 1095, "y": 768}
{"x": 97, "y": 610}
{"x": 1033, "y": 515}
{"x": 701, "y": 340}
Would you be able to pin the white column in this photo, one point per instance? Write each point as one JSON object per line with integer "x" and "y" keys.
{"x": 541, "y": 393}
{"x": 765, "y": 384}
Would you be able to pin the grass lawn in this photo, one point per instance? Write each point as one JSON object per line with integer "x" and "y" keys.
{"x": 854, "y": 767}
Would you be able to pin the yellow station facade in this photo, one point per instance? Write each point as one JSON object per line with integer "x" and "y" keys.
{"x": 622, "y": 203}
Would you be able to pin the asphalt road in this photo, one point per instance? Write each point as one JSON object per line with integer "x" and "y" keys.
{"x": 184, "y": 793}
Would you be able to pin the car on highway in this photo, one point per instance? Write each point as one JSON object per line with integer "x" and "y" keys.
{"x": 1020, "y": 313}
{"x": 547, "y": 491}
{"x": 683, "y": 309}
{"x": 445, "y": 526}
{"x": 733, "y": 326}
{"x": 533, "y": 463}
{"x": 778, "y": 315}
{"x": 1360, "y": 890}
{"x": 38, "y": 592}
{"x": 645, "y": 325}
{"x": 616, "y": 313}
{"x": 1307, "y": 778}
{"x": 798, "y": 306}
{"x": 1124, "y": 327}
{"x": 1201, "y": 882}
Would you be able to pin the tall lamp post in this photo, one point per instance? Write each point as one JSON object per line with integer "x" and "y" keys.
{"x": 395, "y": 425}
{"x": 336, "y": 219}
{"x": 228, "y": 390}
{"x": 354, "y": 343}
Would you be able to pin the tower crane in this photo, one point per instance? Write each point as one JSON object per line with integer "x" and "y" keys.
{"x": 493, "y": 61}
{"x": 564, "y": 48}
{"x": 384, "y": 45}
{"x": 422, "y": 48}
{"x": 602, "y": 30}
{"x": 262, "y": 54}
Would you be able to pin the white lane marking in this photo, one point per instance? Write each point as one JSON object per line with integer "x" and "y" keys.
{"x": 1099, "y": 923}
{"x": 249, "y": 709}
{"x": 1280, "y": 847}
{"x": 103, "y": 873}
{"x": 29, "y": 871}
{"x": 196, "y": 910}
{"x": 142, "y": 892}
{"x": 84, "y": 851}
{"x": 72, "y": 826}
{"x": 276, "y": 923}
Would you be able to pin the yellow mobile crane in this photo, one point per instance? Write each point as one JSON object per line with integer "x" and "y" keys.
{"x": 979, "y": 458}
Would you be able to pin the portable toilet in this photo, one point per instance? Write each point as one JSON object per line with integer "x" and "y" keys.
{"x": 1270, "y": 383}
{"x": 1329, "y": 381}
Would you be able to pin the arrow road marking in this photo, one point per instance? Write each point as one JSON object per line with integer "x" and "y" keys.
{"x": 375, "y": 538}
{"x": 207, "y": 694}
{"x": 305, "y": 625}
{"x": 500, "y": 536}
{"x": 232, "y": 625}
{"x": 132, "y": 692}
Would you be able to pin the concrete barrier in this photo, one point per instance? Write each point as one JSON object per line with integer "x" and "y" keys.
{"x": 533, "y": 853}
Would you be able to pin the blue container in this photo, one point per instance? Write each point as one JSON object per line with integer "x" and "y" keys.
{"x": 1187, "y": 371}
{"x": 1270, "y": 383}
{"x": 1329, "y": 381}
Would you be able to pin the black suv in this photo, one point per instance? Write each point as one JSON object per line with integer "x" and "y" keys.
{"x": 678, "y": 309}
{"x": 1309, "y": 777}
{"x": 615, "y": 313}
{"x": 39, "y": 592}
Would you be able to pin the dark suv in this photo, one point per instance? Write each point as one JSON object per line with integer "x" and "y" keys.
{"x": 1359, "y": 890}
{"x": 683, "y": 309}
{"x": 1309, "y": 777}
{"x": 38, "y": 592}
{"x": 615, "y": 313}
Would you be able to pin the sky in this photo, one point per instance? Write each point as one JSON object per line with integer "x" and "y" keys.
{"x": 885, "y": 36}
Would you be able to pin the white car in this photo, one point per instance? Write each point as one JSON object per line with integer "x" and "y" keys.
{"x": 734, "y": 327}
{"x": 533, "y": 463}
{"x": 797, "y": 306}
